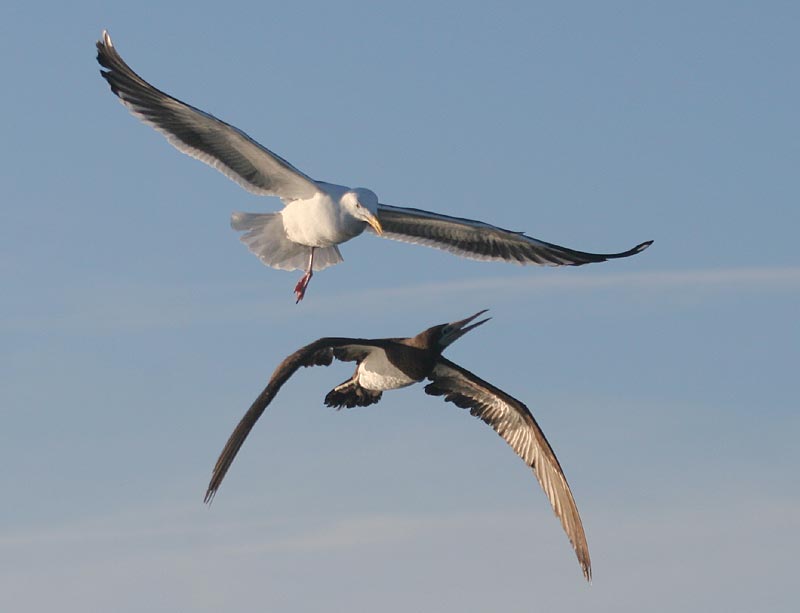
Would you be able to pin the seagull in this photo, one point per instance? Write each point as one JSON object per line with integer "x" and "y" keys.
{"x": 317, "y": 216}
{"x": 392, "y": 363}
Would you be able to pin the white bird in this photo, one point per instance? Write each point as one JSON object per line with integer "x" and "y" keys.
{"x": 317, "y": 216}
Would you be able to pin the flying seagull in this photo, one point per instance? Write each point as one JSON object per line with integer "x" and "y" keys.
{"x": 317, "y": 216}
{"x": 392, "y": 363}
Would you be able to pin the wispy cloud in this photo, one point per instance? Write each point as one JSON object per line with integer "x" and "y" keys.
{"x": 136, "y": 307}
{"x": 728, "y": 279}
{"x": 162, "y": 527}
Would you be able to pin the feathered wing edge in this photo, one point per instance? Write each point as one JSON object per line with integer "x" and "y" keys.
{"x": 512, "y": 420}
{"x": 319, "y": 353}
{"x": 482, "y": 241}
{"x": 201, "y": 135}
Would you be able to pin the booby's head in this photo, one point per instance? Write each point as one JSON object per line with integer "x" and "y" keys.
{"x": 362, "y": 203}
{"x": 441, "y": 336}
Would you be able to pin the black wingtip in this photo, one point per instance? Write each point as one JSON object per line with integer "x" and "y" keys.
{"x": 626, "y": 254}
{"x": 103, "y": 46}
{"x": 105, "y": 51}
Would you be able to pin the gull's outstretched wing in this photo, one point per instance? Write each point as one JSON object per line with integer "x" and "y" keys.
{"x": 513, "y": 421}
{"x": 201, "y": 135}
{"x": 481, "y": 241}
{"x": 319, "y": 353}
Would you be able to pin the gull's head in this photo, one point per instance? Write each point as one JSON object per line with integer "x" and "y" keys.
{"x": 362, "y": 203}
{"x": 439, "y": 337}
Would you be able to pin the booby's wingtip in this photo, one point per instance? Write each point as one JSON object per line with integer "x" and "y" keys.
{"x": 105, "y": 49}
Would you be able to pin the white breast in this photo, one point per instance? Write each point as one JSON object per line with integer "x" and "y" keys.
{"x": 311, "y": 222}
{"x": 376, "y": 372}
{"x": 320, "y": 220}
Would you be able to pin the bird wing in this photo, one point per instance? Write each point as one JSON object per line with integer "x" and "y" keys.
{"x": 513, "y": 421}
{"x": 201, "y": 135}
{"x": 481, "y": 241}
{"x": 319, "y": 353}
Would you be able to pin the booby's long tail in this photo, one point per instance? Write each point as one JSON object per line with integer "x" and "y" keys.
{"x": 350, "y": 394}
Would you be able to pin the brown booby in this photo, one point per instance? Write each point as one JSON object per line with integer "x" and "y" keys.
{"x": 392, "y": 363}
{"x": 317, "y": 216}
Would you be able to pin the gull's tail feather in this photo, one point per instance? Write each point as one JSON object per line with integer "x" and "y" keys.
{"x": 265, "y": 236}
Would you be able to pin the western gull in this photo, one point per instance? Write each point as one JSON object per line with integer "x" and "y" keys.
{"x": 317, "y": 216}
{"x": 392, "y": 363}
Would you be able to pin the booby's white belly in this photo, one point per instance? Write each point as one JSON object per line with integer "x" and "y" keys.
{"x": 376, "y": 373}
{"x": 318, "y": 222}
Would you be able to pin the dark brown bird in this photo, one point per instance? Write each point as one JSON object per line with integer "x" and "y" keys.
{"x": 391, "y": 363}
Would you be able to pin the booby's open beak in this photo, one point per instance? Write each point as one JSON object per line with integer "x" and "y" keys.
{"x": 460, "y": 328}
{"x": 373, "y": 221}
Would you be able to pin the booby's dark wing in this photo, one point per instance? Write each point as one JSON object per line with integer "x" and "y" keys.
{"x": 201, "y": 135}
{"x": 481, "y": 241}
{"x": 513, "y": 421}
{"x": 319, "y": 353}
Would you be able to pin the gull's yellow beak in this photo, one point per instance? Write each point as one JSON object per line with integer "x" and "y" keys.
{"x": 376, "y": 225}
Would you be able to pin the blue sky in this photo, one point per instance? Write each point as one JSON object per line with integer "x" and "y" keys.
{"x": 136, "y": 329}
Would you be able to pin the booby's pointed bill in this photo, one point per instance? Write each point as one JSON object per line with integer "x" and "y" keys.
{"x": 380, "y": 363}
{"x": 201, "y": 135}
{"x": 460, "y": 328}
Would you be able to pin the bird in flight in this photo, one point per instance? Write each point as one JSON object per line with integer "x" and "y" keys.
{"x": 392, "y": 363}
{"x": 317, "y": 216}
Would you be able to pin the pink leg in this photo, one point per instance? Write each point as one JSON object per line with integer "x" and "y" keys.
{"x": 302, "y": 284}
